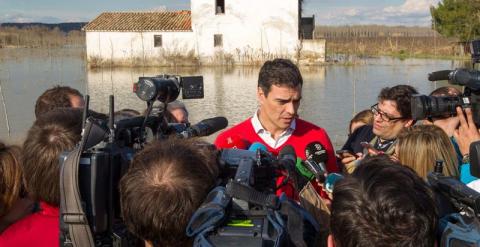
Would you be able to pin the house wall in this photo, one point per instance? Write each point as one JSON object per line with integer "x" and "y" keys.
{"x": 137, "y": 48}
{"x": 252, "y": 30}
{"x": 313, "y": 51}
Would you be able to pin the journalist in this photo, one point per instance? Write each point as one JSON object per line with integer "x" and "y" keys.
{"x": 391, "y": 114}
{"x": 382, "y": 203}
{"x": 52, "y": 134}
{"x": 167, "y": 181}
{"x": 58, "y": 97}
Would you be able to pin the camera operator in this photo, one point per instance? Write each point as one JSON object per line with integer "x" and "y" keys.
{"x": 391, "y": 114}
{"x": 383, "y": 203}
{"x": 276, "y": 124}
{"x": 166, "y": 183}
{"x": 52, "y": 133}
{"x": 58, "y": 97}
{"x": 176, "y": 112}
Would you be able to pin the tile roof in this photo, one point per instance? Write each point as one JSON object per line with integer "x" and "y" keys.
{"x": 141, "y": 21}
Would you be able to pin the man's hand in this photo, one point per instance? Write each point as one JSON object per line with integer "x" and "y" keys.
{"x": 467, "y": 132}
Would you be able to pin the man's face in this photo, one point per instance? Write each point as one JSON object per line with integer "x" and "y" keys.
{"x": 279, "y": 107}
{"x": 389, "y": 130}
{"x": 76, "y": 101}
{"x": 179, "y": 115}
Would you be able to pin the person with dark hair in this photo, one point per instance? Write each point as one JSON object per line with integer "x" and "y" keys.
{"x": 58, "y": 97}
{"x": 53, "y": 133}
{"x": 167, "y": 181}
{"x": 391, "y": 114}
{"x": 276, "y": 124}
{"x": 14, "y": 202}
{"x": 383, "y": 203}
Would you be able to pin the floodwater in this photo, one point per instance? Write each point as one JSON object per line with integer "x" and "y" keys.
{"x": 332, "y": 94}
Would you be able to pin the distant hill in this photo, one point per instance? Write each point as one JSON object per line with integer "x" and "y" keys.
{"x": 65, "y": 27}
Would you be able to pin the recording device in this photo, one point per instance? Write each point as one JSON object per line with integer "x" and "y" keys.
{"x": 90, "y": 206}
{"x": 461, "y": 228}
{"x": 244, "y": 210}
{"x": 424, "y": 107}
{"x": 475, "y": 159}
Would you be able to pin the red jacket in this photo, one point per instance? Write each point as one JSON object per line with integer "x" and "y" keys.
{"x": 304, "y": 134}
{"x": 39, "y": 229}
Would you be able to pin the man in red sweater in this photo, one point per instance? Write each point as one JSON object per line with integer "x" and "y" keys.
{"x": 276, "y": 124}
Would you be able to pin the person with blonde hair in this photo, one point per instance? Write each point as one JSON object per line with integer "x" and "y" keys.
{"x": 419, "y": 147}
{"x": 14, "y": 204}
{"x": 360, "y": 119}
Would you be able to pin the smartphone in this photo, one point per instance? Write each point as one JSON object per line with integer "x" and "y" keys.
{"x": 344, "y": 153}
{"x": 369, "y": 149}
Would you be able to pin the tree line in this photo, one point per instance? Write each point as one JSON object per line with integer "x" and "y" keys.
{"x": 40, "y": 37}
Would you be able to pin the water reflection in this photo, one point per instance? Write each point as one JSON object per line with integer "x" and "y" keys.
{"x": 331, "y": 94}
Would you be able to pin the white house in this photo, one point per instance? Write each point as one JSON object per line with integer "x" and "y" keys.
{"x": 213, "y": 32}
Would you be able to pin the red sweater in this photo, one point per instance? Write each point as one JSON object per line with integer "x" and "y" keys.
{"x": 41, "y": 228}
{"x": 304, "y": 134}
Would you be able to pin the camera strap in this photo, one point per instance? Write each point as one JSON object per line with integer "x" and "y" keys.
{"x": 73, "y": 220}
{"x": 249, "y": 194}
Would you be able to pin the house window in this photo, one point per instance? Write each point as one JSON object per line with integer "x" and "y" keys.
{"x": 219, "y": 7}
{"x": 217, "y": 40}
{"x": 157, "y": 40}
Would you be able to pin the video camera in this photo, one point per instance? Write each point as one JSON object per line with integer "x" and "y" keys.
{"x": 244, "y": 210}
{"x": 424, "y": 107}
{"x": 90, "y": 174}
{"x": 459, "y": 205}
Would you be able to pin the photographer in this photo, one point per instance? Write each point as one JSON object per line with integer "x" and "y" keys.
{"x": 466, "y": 134}
{"x": 52, "y": 133}
{"x": 166, "y": 183}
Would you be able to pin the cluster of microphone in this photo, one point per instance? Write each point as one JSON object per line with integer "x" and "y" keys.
{"x": 312, "y": 167}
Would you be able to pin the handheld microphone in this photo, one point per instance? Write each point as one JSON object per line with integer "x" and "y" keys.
{"x": 205, "y": 127}
{"x": 316, "y": 157}
{"x": 287, "y": 160}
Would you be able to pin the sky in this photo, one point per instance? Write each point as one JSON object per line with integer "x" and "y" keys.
{"x": 327, "y": 12}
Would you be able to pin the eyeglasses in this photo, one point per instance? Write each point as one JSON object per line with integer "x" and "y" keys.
{"x": 384, "y": 116}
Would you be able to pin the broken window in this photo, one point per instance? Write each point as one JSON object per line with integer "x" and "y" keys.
{"x": 157, "y": 40}
{"x": 217, "y": 40}
{"x": 219, "y": 7}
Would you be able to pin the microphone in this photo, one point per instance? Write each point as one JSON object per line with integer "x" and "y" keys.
{"x": 287, "y": 160}
{"x": 316, "y": 157}
{"x": 205, "y": 127}
{"x": 257, "y": 146}
{"x": 439, "y": 75}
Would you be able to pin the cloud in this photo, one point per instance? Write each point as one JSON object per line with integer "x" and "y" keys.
{"x": 410, "y": 13}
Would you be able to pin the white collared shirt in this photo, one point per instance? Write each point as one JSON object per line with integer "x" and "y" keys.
{"x": 267, "y": 136}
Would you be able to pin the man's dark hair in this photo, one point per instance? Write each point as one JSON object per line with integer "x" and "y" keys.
{"x": 446, "y": 91}
{"x": 56, "y": 97}
{"x": 383, "y": 203}
{"x": 166, "y": 183}
{"x": 402, "y": 95}
{"x": 279, "y": 72}
{"x": 52, "y": 134}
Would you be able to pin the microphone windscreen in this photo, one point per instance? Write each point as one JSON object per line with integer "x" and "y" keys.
{"x": 316, "y": 152}
{"x": 211, "y": 125}
{"x": 288, "y": 152}
{"x": 439, "y": 75}
{"x": 256, "y": 146}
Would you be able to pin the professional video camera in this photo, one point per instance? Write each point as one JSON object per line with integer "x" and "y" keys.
{"x": 90, "y": 206}
{"x": 462, "y": 227}
{"x": 244, "y": 210}
{"x": 424, "y": 107}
